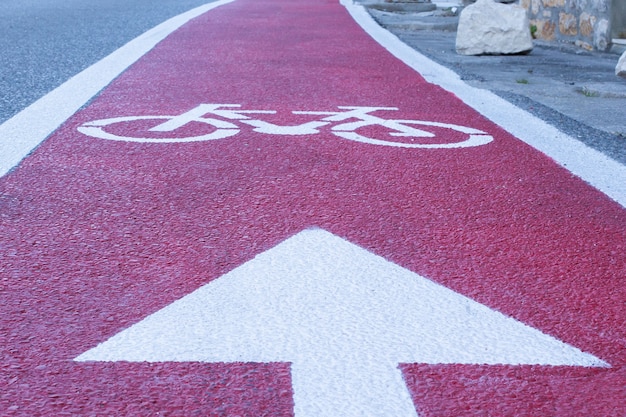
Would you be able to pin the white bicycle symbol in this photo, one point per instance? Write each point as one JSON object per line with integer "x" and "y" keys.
{"x": 353, "y": 118}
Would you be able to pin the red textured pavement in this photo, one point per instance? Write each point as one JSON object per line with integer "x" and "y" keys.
{"x": 97, "y": 234}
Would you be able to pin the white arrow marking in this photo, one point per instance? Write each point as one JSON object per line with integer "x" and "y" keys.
{"x": 344, "y": 317}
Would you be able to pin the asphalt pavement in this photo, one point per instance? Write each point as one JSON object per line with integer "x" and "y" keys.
{"x": 46, "y": 42}
{"x": 572, "y": 89}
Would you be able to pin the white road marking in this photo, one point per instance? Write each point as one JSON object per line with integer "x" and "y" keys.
{"x": 344, "y": 317}
{"x": 597, "y": 169}
{"x": 26, "y": 130}
{"x": 358, "y": 117}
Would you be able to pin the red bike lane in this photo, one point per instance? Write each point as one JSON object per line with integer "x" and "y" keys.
{"x": 98, "y": 234}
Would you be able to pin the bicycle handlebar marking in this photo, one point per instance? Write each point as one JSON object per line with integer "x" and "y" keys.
{"x": 231, "y": 117}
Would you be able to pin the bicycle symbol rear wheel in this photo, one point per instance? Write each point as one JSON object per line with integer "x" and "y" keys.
{"x": 96, "y": 129}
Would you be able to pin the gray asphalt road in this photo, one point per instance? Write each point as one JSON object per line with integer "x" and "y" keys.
{"x": 45, "y": 42}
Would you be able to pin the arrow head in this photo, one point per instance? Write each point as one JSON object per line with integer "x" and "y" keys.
{"x": 320, "y": 302}
{"x": 318, "y": 295}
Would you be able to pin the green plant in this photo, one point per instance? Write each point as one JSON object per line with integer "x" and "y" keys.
{"x": 533, "y": 31}
{"x": 589, "y": 93}
{"x": 521, "y": 81}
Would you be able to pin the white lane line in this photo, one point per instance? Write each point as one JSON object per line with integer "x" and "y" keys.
{"x": 26, "y": 130}
{"x": 597, "y": 169}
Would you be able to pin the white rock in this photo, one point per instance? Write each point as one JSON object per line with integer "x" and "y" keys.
{"x": 601, "y": 35}
{"x": 620, "y": 69}
{"x": 488, "y": 27}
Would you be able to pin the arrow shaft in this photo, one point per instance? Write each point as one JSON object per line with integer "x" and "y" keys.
{"x": 332, "y": 388}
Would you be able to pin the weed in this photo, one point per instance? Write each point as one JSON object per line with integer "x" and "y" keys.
{"x": 589, "y": 93}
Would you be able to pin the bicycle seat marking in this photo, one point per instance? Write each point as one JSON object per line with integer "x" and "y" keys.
{"x": 227, "y": 120}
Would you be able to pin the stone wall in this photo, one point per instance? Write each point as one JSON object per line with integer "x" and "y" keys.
{"x": 618, "y": 23}
{"x": 586, "y": 23}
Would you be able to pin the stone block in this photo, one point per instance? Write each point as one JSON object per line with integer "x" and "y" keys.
{"x": 600, "y": 6}
{"x": 554, "y": 3}
{"x": 568, "y": 24}
{"x": 488, "y": 27}
{"x": 535, "y": 5}
{"x": 601, "y": 35}
{"x": 548, "y": 31}
{"x": 587, "y": 22}
{"x": 584, "y": 45}
{"x": 620, "y": 69}
{"x": 545, "y": 29}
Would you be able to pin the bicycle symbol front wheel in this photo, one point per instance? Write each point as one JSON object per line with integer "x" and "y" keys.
{"x": 473, "y": 137}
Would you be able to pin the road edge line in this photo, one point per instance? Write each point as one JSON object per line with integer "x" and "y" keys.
{"x": 26, "y": 130}
{"x": 592, "y": 166}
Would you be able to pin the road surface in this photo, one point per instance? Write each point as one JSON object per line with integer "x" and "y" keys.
{"x": 45, "y": 42}
{"x": 270, "y": 214}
